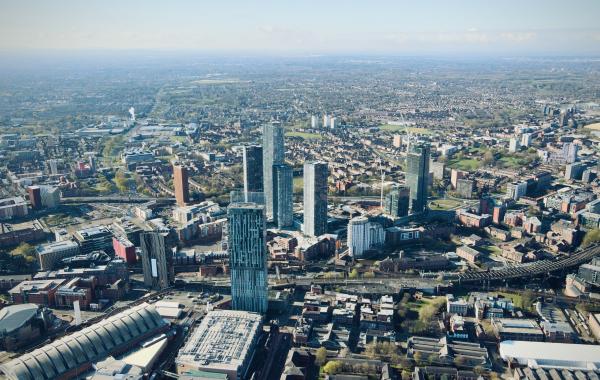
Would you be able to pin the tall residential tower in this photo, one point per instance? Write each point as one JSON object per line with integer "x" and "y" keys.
{"x": 253, "y": 169}
{"x": 283, "y": 203}
{"x": 315, "y": 198}
{"x": 273, "y": 154}
{"x": 181, "y": 184}
{"x": 248, "y": 257}
{"x": 417, "y": 176}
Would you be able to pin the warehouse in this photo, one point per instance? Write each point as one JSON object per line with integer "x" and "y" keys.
{"x": 551, "y": 355}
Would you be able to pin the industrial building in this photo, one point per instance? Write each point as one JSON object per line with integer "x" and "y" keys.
{"x": 223, "y": 343}
{"x": 551, "y": 355}
{"x": 75, "y": 353}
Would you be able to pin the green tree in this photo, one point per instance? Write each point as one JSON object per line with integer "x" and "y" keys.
{"x": 353, "y": 274}
{"x": 321, "y": 356}
{"x": 24, "y": 250}
{"x": 590, "y": 237}
{"x": 332, "y": 367}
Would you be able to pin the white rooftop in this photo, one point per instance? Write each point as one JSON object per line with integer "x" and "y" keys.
{"x": 552, "y": 355}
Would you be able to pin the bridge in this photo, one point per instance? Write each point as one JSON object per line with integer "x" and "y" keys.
{"x": 533, "y": 269}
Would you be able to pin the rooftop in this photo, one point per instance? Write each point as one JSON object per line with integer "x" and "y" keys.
{"x": 222, "y": 341}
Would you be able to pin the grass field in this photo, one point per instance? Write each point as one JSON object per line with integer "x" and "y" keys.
{"x": 444, "y": 204}
{"x": 595, "y": 126}
{"x": 304, "y": 135}
{"x": 397, "y": 128}
{"x": 464, "y": 164}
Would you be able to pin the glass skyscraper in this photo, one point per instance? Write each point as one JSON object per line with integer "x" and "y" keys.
{"x": 253, "y": 168}
{"x": 315, "y": 198}
{"x": 417, "y": 176}
{"x": 248, "y": 257}
{"x": 273, "y": 154}
{"x": 283, "y": 203}
{"x": 397, "y": 202}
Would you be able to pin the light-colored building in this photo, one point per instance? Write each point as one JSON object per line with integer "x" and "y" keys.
{"x": 364, "y": 235}
{"x": 223, "y": 343}
{"x": 551, "y": 355}
{"x": 315, "y": 198}
{"x": 49, "y": 254}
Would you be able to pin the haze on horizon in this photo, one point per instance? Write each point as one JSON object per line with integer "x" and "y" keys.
{"x": 536, "y": 27}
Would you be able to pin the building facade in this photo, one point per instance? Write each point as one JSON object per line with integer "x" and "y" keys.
{"x": 417, "y": 176}
{"x": 248, "y": 257}
{"x": 363, "y": 235}
{"x": 315, "y": 198}
{"x": 283, "y": 203}
{"x": 397, "y": 202}
{"x": 273, "y": 154}
{"x": 156, "y": 260}
{"x": 253, "y": 168}
{"x": 181, "y": 184}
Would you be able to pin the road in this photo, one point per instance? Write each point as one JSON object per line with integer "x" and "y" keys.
{"x": 113, "y": 199}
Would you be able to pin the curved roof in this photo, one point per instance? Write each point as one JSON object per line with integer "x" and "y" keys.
{"x": 14, "y": 317}
{"x": 91, "y": 344}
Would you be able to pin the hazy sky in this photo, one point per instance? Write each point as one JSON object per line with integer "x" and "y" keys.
{"x": 557, "y": 27}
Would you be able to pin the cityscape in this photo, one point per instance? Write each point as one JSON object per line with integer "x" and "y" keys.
{"x": 223, "y": 198}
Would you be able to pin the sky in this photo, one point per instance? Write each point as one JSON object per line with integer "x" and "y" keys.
{"x": 519, "y": 27}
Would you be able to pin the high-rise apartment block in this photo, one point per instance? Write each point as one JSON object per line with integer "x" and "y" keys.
{"x": 315, "y": 198}
{"x": 273, "y": 154}
{"x": 181, "y": 184}
{"x": 283, "y": 203}
{"x": 248, "y": 257}
{"x": 417, "y": 176}
{"x": 157, "y": 260}
{"x": 253, "y": 168}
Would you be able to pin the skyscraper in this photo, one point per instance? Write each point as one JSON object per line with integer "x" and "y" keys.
{"x": 273, "y": 154}
{"x": 283, "y": 187}
{"x": 397, "y": 202}
{"x": 157, "y": 260}
{"x": 417, "y": 176}
{"x": 253, "y": 169}
{"x": 315, "y": 198}
{"x": 180, "y": 182}
{"x": 248, "y": 257}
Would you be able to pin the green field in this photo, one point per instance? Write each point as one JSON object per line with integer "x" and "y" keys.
{"x": 444, "y": 204}
{"x": 304, "y": 135}
{"x": 464, "y": 164}
{"x": 398, "y": 128}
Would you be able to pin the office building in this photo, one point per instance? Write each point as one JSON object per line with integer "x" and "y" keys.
{"x": 314, "y": 122}
{"x": 273, "y": 154}
{"x": 157, "y": 260}
{"x": 283, "y": 187}
{"x": 248, "y": 257}
{"x": 417, "y": 176}
{"x": 397, "y": 202}
{"x": 315, "y": 198}
{"x": 223, "y": 344}
{"x": 97, "y": 238}
{"x": 15, "y": 207}
{"x": 50, "y": 254}
{"x": 526, "y": 139}
{"x": 569, "y": 152}
{"x": 364, "y": 235}
{"x": 181, "y": 184}
{"x": 253, "y": 168}
{"x": 74, "y": 354}
{"x": 50, "y": 196}
{"x": 35, "y": 197}
{"x": 574, "y": 171}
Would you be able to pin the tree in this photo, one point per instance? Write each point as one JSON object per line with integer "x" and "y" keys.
{"x": 489, "y": 158}
{"x": 332, "y": 367}
{"x": 591, "y": 237}
{"x": 24, "y": 250}
{"x": 321, "y": 356}
{"x": 353, "y": 274}
{"x": 418, "y": 357}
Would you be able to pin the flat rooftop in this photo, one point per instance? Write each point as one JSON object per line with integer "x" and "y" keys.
{"x": 222, "y": 341}
{"x": 552, "y": 355}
